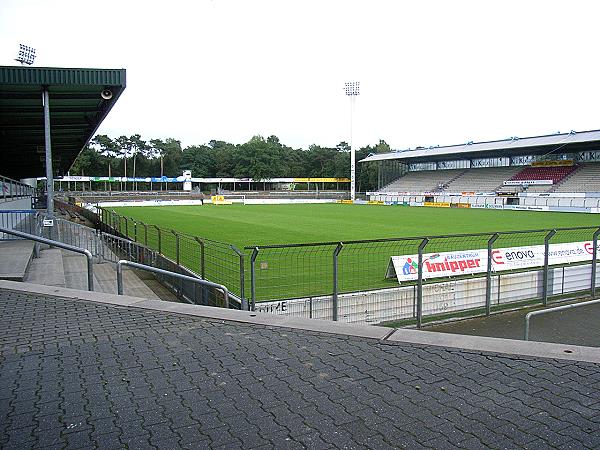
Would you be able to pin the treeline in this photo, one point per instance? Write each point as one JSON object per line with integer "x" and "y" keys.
{"x": 259, "y": 158}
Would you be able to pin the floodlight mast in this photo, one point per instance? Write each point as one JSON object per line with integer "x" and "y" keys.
{"x": 26, "y": 55}
{"x": 352, "y": 90}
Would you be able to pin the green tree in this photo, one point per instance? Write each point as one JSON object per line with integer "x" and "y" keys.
{"x": 200, "y": 160}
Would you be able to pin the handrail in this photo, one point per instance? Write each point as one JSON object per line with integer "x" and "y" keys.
{"x": 135, "y": 265}
{"x": 87, "y": 253}
{"x": 22, "y": 189}
{"x": 549, "y": 310}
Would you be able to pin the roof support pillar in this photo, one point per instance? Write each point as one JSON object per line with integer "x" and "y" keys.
{"x": 48, "y": 146}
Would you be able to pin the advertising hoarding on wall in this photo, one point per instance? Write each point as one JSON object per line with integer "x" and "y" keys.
{"x": 527, "y": 182}
{"x": 448, "y": 264}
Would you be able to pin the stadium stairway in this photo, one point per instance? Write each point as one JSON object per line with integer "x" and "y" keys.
{"x": 62, "y": 268}
{"x": 15, "y": 260}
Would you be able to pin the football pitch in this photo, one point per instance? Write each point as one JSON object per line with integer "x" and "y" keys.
{"x": 303, "y": 271}
{"x": 245, "y": 225}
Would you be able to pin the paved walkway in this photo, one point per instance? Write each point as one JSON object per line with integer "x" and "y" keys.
{"x": 76, "y": 373}
{"x": 577, "y": 326}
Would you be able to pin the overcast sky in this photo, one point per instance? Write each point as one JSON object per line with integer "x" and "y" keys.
{"x": 431, "y": 72}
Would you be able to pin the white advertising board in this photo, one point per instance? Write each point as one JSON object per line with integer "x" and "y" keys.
{"x": 527, "y": 182}
{"x": 447, "y": 264}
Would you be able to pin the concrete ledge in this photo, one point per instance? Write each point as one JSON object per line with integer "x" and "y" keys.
{"x": 16, "y": 258}
{"x": 321, "y": 326}
{"x": 207, "y": 312}
{"x": 475, "y": 343}
{"x": 498, "y": 345}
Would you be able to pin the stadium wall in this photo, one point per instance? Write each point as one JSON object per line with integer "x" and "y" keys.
{"x": 587, "y": 203}
{"x": 247, "y": 201}
{"x": 389, "y": 305}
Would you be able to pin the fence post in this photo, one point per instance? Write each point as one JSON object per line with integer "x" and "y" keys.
{"x": 159, "y": 240}
{"x": 594, "y": 261}
{"x": 546, "y": 257}
{"x": 145, "y": 233}
{"x": 336, "y": 253}
{"x": 201, "y": 268}
{"x": 420, "y": 283}
{"x": 126, "y": 227}
{"x": 253, "y": 277}
{"x": 244, "y": 305}
{"x": 176, "y": 246}
{"x": 488, "y": 284}
{"x": 135, "y": 236}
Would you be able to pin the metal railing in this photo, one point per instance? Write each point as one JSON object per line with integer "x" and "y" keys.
{"x": 219, "y": 262}
{"x": 20, "y": 220}
{"x": 105, "y": 247}
{"x": 349, "y": 276}
{"x": 42, "y": 240}
{"x": 122, "y": 263}
{"x": 551, "y": 310}
{"x": 10, "y": 188}
{"x": 348, "y": 281}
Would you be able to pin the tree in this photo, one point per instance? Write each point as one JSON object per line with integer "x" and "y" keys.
{"x": 107, "y": 148}
{"x": 131, "y": 146}
{"x": 199, "y": 159}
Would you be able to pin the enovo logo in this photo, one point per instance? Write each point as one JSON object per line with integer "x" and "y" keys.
{"x": 435, "y": 265}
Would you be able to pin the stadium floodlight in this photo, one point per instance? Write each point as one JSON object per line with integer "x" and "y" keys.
{"x": 352, "y": 90}
{"x": 26, "y": 55}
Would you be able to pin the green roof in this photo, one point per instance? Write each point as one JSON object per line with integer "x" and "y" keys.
{"x": 76, "y": 111}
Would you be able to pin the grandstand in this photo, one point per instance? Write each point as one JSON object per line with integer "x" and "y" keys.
{"x": 585, "y": 179}
{"x": 506, "y": 172}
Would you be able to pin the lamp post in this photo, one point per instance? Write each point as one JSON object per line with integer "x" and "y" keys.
{"x": 352, "y": 90}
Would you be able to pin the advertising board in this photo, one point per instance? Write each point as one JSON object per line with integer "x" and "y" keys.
{"x": 437, "y": 204}
{"x": 527, "y": 182}
{"x": 448, "y": 264}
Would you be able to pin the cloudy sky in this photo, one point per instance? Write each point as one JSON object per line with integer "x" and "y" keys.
{"x": 431, "y": 72}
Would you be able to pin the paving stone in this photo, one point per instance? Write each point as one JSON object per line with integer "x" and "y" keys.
{"x": 76, "y": 374}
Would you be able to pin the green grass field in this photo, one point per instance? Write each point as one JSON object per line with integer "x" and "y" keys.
{"x": 244, "y": 225}
{"x": 308, "y": 271}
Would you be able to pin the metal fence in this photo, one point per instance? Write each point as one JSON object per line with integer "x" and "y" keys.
{"x": 212, "y": 260}
{"x": 106, "y": 247}
{"x": 350, "y": 281}
{"x": 19, "y": 220}
{"x": 10, "y": 189}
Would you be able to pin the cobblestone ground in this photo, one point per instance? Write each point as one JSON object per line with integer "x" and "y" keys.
{"x": 82, "y": 375}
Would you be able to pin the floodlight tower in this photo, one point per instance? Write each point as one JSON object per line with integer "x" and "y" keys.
{"x": 352, "y": 90}
{"x": 26, "y": 55}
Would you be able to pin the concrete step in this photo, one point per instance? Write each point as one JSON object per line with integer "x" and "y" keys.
{"x": 135, "y": 283}
{"x": 105, "y": 280}
{"x": 75, "y": 270}
{"x": 16, "y": 258}
{"x": 48, "y": 269}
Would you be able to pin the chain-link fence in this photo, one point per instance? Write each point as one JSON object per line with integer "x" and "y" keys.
{"x": 414, "y": 279}
{"x": 211, "y": 260}
{"x": 400, "y": 279}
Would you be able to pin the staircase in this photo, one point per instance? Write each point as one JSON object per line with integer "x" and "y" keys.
{"x": 63, "y": 268}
